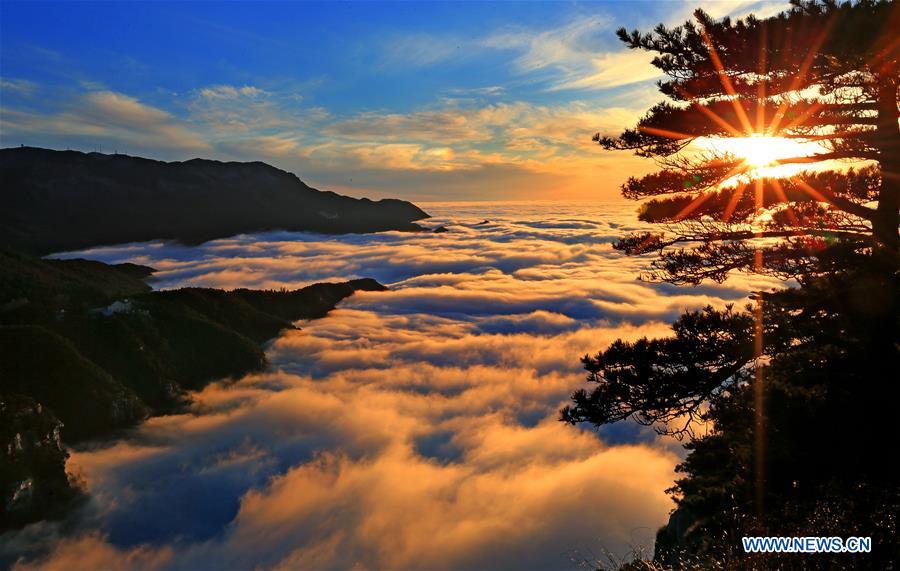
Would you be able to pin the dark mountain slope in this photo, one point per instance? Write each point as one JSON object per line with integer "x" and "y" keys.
{"x": 76, "y": 334}
{"x": 48, "y": 368}
{"x": 41, "y": 287}
{"x": 65, "y": 200}
{"x": 87, "y": 348}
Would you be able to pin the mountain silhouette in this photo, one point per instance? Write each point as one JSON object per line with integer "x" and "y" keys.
{"x": 56, "y": 201}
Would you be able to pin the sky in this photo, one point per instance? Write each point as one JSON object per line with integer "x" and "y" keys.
{"x": 422, "y": 101}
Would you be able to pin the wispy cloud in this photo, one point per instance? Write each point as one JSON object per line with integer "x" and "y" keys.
{"x": 106, "y": 116}
{"x": 254, "y": 147}
{"x": 423, "y": 50}
{"x": 563, "y": 46}
{"x": 231, "y": 92}
{"x": 21, "y": 87}
{"x": 567, "y": 57}
{"x": 734, "y": 8}
{"x": 504, "y": 125}
{"x": 561, "y": 58}
{"x": 442, "y": 126}
{"x": 230, "y": 110}
{"x": 490, "y": 90}
{"x": 570, "y": 56}
{"x": 611, "y": 70}
{"x": 569, "y": 50}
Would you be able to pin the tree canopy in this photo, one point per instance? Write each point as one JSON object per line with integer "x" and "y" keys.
{"x": 820, "y": 79}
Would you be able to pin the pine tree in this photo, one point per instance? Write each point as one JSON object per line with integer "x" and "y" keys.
{"x": 822, "y": 74}
{"x": 792, "y": 390}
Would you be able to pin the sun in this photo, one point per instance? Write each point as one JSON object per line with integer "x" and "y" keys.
{"x": 760, "y": 151}
{"x": 762, "y": 155}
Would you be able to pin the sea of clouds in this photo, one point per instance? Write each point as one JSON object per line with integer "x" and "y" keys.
{"x": 409, "y": 429}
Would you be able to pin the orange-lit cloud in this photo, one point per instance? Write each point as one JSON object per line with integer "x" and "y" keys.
{"x": 409, "y": 429}
{"x": 461, "y": 149}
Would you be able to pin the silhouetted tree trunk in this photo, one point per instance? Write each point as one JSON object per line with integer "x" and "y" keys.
{"x": 887, "y": 215}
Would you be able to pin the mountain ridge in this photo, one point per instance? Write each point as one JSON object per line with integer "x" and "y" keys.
{"x": 68, "y": 200}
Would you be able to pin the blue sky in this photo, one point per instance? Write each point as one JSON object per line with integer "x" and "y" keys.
{"x": 428, "y": 101}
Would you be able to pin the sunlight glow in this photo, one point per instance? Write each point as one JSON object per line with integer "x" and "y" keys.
{"x": 763, "y": 154}
{"x": 763, "y": 151}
